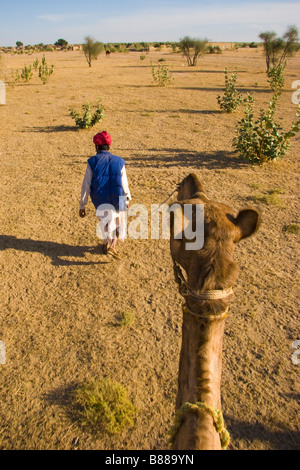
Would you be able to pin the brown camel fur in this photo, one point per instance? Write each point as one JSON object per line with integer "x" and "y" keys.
{"x": 209, "y": 269}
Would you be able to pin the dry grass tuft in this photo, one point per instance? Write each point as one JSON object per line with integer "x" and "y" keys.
{"x": 127, "y": 318}
{"x": 293, "y": 229}
{"x": 105, "y": 405}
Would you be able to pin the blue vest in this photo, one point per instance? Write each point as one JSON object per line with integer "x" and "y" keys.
{"x": 106, "y": 187}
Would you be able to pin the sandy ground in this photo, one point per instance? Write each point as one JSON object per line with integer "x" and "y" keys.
{"x": 61, "y": 298}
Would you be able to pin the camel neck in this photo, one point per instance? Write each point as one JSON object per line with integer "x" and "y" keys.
{"x": 199, "y": 378}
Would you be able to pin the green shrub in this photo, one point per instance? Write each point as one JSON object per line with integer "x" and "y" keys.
{"x": 293, "y": 229}
{"x": 90, "y": 116}
{"x": 45, "y": 71}
{"x": 127, "y": 319}
{"x": 231, "y": 98}
{"x": 276, "y": 77}
{"x": 263, "y": 140}
{"x": 162, "y": 77}
{"x": 26, "y": 74}
{"x": 14, "y": 78}
{"x": 214, "y": 49}
{"x": 35, "y": 64}
{"x": 105, "y": 405}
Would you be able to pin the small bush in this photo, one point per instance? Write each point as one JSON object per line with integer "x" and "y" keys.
{"x": 128, "y": 318}
{"x": 276, "y": 77}
{"x": 45, "y": 71}
{"x": 105, "y": 405}
{"x": 293, "y": 229}
{"x": 35, "y": 64}
{"x": 26, "y": 74}
{"x": 90, "y": 116}
{"x": 214, "y": 50}
{"x": 231, "y": 98}
{"x": 263, "y": 140}
{"x": 162, "y": 77}
{"x": 14, "y": 78}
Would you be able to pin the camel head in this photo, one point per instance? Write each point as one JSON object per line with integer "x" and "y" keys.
{"x": 212, "y": 267}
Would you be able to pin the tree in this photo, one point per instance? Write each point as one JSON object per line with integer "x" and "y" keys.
{"x": 61, "y": 43}
{"x": 92, "y": 49}
{"x": 278, "y": 49}
{"x": 192, "y": 48}
{"x": 19, "y": 44}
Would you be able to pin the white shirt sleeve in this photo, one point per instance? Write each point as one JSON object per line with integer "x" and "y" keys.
{"x": 86, "y": 187}
{"x": 125, "y": 183}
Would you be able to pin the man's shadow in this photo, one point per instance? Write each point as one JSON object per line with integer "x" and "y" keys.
{"x": 56, "y": 251}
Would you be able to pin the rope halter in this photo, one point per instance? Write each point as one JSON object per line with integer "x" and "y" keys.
{"x": 186, "y": 291}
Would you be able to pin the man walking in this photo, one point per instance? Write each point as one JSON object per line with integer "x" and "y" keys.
{"x": 105, "y": 181}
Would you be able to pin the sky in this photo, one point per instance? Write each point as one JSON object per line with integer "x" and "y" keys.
{"x": 38, "y": 21}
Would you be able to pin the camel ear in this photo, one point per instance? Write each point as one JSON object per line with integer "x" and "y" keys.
{"x": 248, "y": 221}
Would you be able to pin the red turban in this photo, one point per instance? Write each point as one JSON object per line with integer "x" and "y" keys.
{"x": 102, "y": 139}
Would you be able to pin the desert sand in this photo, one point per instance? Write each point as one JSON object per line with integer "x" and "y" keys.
{"x": 61, "y": 298}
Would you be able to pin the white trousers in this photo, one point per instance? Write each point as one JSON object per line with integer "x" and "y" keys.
{"x": 112, "y": 224}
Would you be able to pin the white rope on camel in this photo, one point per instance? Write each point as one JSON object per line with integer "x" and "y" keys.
{"x": 206, "y": 295}
{"x": 214, "y": 294}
